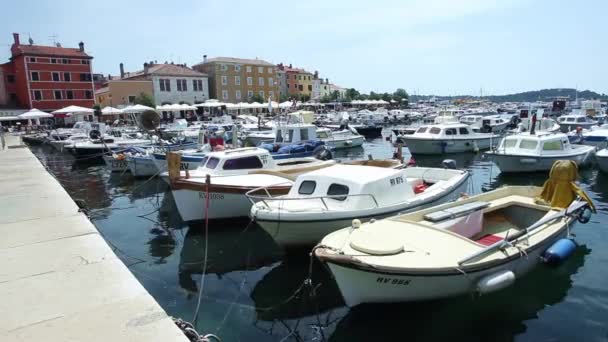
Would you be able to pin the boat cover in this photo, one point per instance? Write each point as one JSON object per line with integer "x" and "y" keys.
{"x": 560, "y": 189}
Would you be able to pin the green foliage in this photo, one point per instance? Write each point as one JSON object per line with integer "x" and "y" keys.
{"x": 325, "y": 99}
{"x": 97, "y": 110}
{"x": 283, "y": 98}
{"x": 145, "y": 100}
{"x": 257, "y": 98}
{"x": 352, "y": 94}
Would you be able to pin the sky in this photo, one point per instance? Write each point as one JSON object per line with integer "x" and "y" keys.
{"x": 441, "y": 47}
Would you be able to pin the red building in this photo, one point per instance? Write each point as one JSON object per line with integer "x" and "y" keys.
{"x": 48, "y": 77}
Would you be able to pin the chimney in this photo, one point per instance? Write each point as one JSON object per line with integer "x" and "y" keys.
{"x": 122, "y": 71}
{"x": 81, "y": 46}
{"x": 146, "y": 65}
{"x": 204, "y": 58}
{"x": 290, "y": 66}
{"x": 327, "y": 81}
{"x": 109, "y": 77}
{"x": 316, "y": 75}
{"x": 16, "y": 38}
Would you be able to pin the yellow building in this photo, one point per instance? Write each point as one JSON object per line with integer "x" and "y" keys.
{"x": 237, "y": 79}
{"x": 121, "y": 93}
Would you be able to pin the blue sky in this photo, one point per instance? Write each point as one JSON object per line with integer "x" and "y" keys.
{"x": 444, "y": 47}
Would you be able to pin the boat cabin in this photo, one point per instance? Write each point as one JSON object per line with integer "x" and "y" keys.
{"x": 574, "y": 119}
{"x": 539, "y": 144}
{"x": 293, "y": 133}
{"x": 470, "y": 119}
{"x": 444, "y": 131}
{"x": 354, "y": 186}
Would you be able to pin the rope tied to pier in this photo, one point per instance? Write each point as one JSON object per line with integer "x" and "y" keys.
{"x": 188, "y": 329}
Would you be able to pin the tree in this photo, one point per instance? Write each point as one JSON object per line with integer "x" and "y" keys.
{"x": 325, "y": 99}
{"x": 401, "y": 93}
{"x": 386, "y": 97}
{"x": 352, "y": 94}
{"x": 257, "y": 98}
{"x": 97, "y": 111}
{"x": 374, "y": 96}
{"x": 283, "y": 98}
{"x": 145, "y": 100}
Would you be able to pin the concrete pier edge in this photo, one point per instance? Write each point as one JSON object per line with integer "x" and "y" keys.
{"x": 59, "y": 279}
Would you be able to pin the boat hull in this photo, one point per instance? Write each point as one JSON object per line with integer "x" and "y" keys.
{"x": 359, "y": 285}
{"x": 602, "y": 162}
{"x": 115, "y": 165}
{"x": 568, "y": 127}
{"x": 309, "y": 229}
{"x": 142, "y": 166}
{"x": 436, "y": 146}
{"x": 222, "y": 204}
{"x": 520, "y": 163}
{"x": 344, "y": 143}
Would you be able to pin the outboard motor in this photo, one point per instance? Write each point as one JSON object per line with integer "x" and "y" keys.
{"x": 449, "y": 164}
{"x": 322, "y": 153}
{"x": 94, "y": 134}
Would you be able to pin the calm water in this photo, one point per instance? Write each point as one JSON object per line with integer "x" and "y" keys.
{"x": 250, "y": 283}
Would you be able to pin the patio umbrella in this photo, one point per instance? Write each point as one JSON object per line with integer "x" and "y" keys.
{"x": 111, "y": 111}
{"x": 73, "y": 110}
{"x": 136, "y": 109}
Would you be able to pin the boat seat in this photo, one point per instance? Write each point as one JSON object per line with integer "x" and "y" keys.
{"x": 488, "y": 240}
{"x": 457, "y": 211}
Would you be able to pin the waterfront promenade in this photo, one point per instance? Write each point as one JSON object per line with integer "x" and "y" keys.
{"x": 59, "y": 280}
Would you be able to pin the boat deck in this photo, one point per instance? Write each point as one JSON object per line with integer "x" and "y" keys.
{"x": 60, "y": 281}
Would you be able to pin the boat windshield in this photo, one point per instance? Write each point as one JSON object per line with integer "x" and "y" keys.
{"x": 212, "y": 163}
{"x": 528, "y": 144}
{"x": 510, "y": 143}
{"x": 421, "y": 130}
{"x": 555, "y": 145}
{"x": 435, "y": 130}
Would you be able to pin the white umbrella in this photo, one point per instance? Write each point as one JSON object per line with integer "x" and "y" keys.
{"x": 184, "y": 106}
{"x": 136, "y": 109}
{"x": 285, "y": 104}
{"x": 35, "y": 114}
{"x": 111, "y": 111}
{"x": 73, "y": 110}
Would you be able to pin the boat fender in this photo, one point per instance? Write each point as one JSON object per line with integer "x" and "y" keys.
{"x": 322, "y": 153}
{"x": 495, "y": 282}
{"x": 449, "y": 164}
{"x": 356, "y": 223}
{"x": 418, "y": 189}
{"x": 559, "y": 251}
{"x": 584, "y": 216}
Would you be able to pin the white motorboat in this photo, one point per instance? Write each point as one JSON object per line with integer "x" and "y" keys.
{"x": 326, "y": 200}
{"x": 571, "y": 122}
{"x": 527, "y": 152}
{"x": 473, "y": 246}
{"x": 345, "y": 138}
{"x": 448, "y": 138}
{"x": 595, "y": 136}
{"x": 542, "y": 125}
{"x": 489, "y": 123}
{"x": 67, "y": 143}
{"x": 97, "y": 147}
{"x": 602, "y": 160}
{"x": 232, "y": 174}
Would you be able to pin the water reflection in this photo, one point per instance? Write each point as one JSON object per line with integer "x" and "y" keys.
{"x": 228, "y": 250}
{"x": 497, "y": 316}
{"x": 281, "y": 294}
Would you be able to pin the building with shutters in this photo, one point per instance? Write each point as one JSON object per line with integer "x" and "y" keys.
{"x": 47, "y": 77}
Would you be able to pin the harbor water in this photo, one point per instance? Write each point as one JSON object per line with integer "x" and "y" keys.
{"x": 253, "y": 291}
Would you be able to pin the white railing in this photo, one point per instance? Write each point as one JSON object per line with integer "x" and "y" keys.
{"x": 268, "y": 197}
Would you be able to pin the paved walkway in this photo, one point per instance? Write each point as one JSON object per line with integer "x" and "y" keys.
{"x": 59, "y": 280}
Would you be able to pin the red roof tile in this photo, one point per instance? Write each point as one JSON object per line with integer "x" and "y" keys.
{"x": 49, "y": 51}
